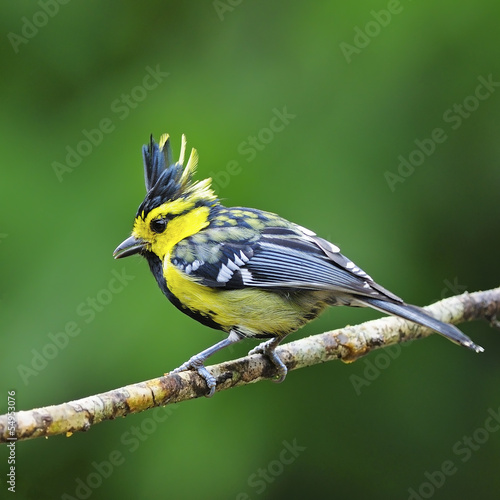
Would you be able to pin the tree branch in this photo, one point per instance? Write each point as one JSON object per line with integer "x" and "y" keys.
{"x": 346, "y": 344}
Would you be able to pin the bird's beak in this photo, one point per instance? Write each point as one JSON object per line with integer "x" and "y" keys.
{"x": 128, "y": 247}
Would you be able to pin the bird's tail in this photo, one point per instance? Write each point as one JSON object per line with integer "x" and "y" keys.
{"x": 418, "y": 315}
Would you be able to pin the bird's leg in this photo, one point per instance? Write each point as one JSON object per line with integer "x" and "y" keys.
{"x": 267, "y": 348}
{"x": 494, "y": 321}
{"x": 198, "y": 360}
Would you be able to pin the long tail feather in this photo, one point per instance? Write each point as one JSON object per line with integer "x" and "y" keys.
{"x": 417, "y": 315}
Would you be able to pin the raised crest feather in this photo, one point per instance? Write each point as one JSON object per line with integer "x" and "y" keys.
{"x": 167, "y": 180}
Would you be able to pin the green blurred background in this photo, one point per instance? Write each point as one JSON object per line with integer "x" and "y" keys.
{"x": 358, "y": 102}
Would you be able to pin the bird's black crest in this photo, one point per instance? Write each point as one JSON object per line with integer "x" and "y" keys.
{"x": 167, "y": 180}
{"x": 155, "y": 161}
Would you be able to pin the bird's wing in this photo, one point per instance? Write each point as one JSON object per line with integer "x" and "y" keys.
{"x": 276, "y": 257}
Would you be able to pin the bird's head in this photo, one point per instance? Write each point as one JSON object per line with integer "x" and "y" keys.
{"x": 174, "y": 206}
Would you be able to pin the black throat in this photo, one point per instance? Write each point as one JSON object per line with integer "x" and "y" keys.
{"x": 156, "y": 267}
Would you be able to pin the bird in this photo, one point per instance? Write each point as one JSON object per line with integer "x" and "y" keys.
{"x": 247, "y": 272}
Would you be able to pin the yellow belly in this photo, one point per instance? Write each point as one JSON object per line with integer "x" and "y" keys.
{"x": 253, "y": 311}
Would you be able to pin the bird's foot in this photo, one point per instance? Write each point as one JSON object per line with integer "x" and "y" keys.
{"x": 196, "y": 363}
{"x": 494, "y": 321}
{"x": 267, "y": 348}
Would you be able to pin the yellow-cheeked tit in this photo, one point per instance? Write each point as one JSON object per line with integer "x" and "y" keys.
{"x": 249, "y": 273}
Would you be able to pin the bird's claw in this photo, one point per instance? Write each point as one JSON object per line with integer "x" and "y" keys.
{"x": 494, "y": 321}
{"x": 268, "y": 349}
{"x": 197, "y": 364}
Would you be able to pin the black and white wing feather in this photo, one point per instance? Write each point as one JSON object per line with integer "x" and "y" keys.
{"x": 277, "y": 257}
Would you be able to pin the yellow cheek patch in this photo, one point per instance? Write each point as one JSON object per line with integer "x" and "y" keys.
{"x": 179, "y": 228}
{"x": 188, "y": 224}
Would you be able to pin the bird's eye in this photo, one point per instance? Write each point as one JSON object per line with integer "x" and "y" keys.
{"x": 158, "y": 225}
